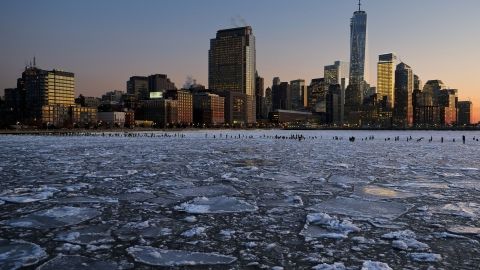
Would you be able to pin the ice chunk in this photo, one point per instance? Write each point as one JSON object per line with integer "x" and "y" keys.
{"x": 371, "y": 265}
{"x": 399, "y": 235}
{"x": 15, "y": 254}
{"x": 425, "y": 257}
{"x": 74, "y": 262}
{"x": 86, "y": 200}
{"x": 163, "y": 257}
{"x": 324, "y": 226}
{"x": 405, "y": 240}
{"x": 208, "y": 191}
{"x": 54, "y": 217}
{"x": 324, "y": 266}
{"x": 222, "y": 204}
{"x": 92, "y": 235}
{"x": 464, "y": 209}
{"x": 197, "y": 231}
{"x": 376, "y": 192}
{"x": 362, "y": 208}
{"x": 464, "y": 230}
{"x": 135, "y": 196}
{"x": 27, "y": 195}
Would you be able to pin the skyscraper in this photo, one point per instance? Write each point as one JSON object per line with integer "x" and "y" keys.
{"x": 338, "y": 74}
{"x": 403, "y": 105}
{"x": 386, "y": 77}
{"x": 231, "y": 65}
{"x": 298, "y": 92}
{"x": 465, "y": 111}
{"x": 358, "y": 43}
{"x": 259, "y": 95}
{"x": 138, "y": 87}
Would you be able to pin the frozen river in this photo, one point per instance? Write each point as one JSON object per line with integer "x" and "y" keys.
{"x": 249, "y": 201}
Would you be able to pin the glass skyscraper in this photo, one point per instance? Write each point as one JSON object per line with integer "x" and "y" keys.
{"x": 231, "y": 65}
{"x": 358, "y": 42}
{"x": 386, "y": 77}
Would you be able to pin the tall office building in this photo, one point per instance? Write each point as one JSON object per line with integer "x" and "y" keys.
{"x": 465, "y": 111}
{"x": 386, "y": 77}
{"x": 281, "y": 97}
{"x": 338, "y": 74}
{"x": 358, "y": 44}
{"x": 138, "y": 87}
{"x": 48, "y": 95}
{"x": 298, "y": 93}
{"x": 259, "y": 96}
{"x": 160, "y": 83}
{"x": 403, "y": 104}
{"x": 231, "y": 65}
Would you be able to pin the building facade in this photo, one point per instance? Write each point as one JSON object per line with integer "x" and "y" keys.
{"x": 386, "y": 77}
{"x": 231, "y": 65}
{"x": 184, "y": 105}
{"x": 298, "y": 93}
{"x": 138, "y": 87}
{"x": 358, "y": 44}
{"x": 403, "y": 103}
{"x": 281, "y": 96}
{"x": 465, "y": 111}
{"x": 208, "y": 109}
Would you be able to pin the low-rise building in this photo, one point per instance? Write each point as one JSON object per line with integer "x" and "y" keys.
{"x": 112, "y": 119}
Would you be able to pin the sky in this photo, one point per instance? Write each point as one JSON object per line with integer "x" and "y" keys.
{"x": 104, "y": 42}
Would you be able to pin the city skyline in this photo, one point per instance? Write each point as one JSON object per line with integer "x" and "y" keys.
{"x": 111, "y": 68}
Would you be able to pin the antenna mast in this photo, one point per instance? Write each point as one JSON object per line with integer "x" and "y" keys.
{"x": 359, "y": 5}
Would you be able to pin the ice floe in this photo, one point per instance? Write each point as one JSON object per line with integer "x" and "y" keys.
{"x": 91, "y": 235}
{"x": 334, "y": 266}
{"x": 463, "y": 209}
{"x": 361, "y": 208}
{"x": 372, "y": 265}
{"x": 54, "y": 217}
{"x": 206, "y": 191}
{"x": 28, "y": 195}
{"x": 464, "y": 230}
{"x": 321, "y": 225}
{"x": 163, "y": 257}
{"x": 425, "y": 257}
{"x": 75, "y": 262}
{"x": 372, "y": 192}
{"x": 15, "y": 254}
{"x": 222, "y": 204}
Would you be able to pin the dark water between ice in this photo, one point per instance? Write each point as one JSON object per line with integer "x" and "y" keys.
{"x": 248, "y": 203}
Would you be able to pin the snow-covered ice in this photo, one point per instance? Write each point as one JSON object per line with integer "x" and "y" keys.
{"x": 161, "y": 257}
{"x": 250, "y": 200}
{"x": 75, "y": 262}
{"x": 15, "y": 254}
{"x": 54, "y": 217}
{"x": 222, "y": 204}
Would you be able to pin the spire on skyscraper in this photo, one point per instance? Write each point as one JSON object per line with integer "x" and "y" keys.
{"x": 359, "y": 5}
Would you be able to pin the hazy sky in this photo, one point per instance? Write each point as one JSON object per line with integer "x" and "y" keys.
{"x": 104, "y": 42}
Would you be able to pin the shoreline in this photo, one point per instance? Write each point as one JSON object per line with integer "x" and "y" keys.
{"x": 177, "y": 130}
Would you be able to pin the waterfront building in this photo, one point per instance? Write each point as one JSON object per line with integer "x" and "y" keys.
{"x": 208, "y": 109}
{"x": 231, "y": 65}
{"x": 281, "y": 96}
{"x": 338, "y": 73}
{"x": 465, "y": 111}
{"x": 111, "y": 119}
{"x": 386, "y": 77}
{"x": 403, "y": 103}
{"x": 184, "y": 105}
{"x": 259, "y": 96}
{"x": 358, "y": 44}
{"x": 138, "y": 87}
{"x": 298, "y": 93}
